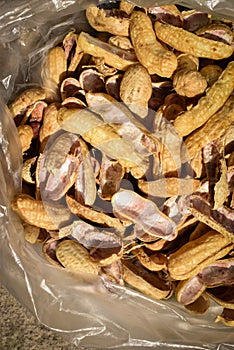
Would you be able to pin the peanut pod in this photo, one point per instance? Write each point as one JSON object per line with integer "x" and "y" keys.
{"x": 136, "y": 89}
{"x": 214, "y": 128}
{"x": 33, "y": 212}
{"x": 113, "y": 56}
{"x": 147, "y": 282}
{"x": 184, "y": 41}
{"x": 111, "y": 21}
{"x": 193, "y": 256}
{"x": 99, "y": 134}
{"x": 75, "y": 257}
{"x": 151, "y": 54}
{"x": 208, "y": 105}
{"x": 26, "y": 99}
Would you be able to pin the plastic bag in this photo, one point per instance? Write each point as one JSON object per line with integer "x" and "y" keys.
{"x": 79, "y": 307}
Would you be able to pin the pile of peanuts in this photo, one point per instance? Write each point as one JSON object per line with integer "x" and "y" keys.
{"x": 128, "y": 157}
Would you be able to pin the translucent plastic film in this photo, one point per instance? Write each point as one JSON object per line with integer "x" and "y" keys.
{"x": 84, "y": 309}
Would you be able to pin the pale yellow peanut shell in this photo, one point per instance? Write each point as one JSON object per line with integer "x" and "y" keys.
{"x": 169, "y": 186}
{"x": 115, "y": 57}
{"x": 199, "y": 230}
{"x": 213, "y": 129}
{"x": 208, "y": 105}
{"x": 126, "y": 6}
{"x": 122, "y": 42}
{"x": 26, "y": 99}
{"x": 91, "y": 214}
{"x": 99, "y": 134}
{"x": 188, "y": 42}
{"x": 189, "y": 83}
{"x": 55, "y": 65}
{"x": 187, "y": 61}
{"x": 229, "y": 323}
{"x": 153, "y": 262}
{"x": 188, "y": 260}
{"x": 26, "y": 170}
{"x": 50, "y": 124}
{"x": 33, "y": 212}
{"x": 25, "y": 135}
{"x": 75, "y": 257}
{"x": 31, "y": 233}
{"x": 53, "y": 71}
{"x": 211, "y": 72}
{"x": 99, "y": 20}
{"x": 151, "y": 54}
{"x": 221, "y": 189}
{"x": 136, "y": 89}
{"x": 225, "y": 31}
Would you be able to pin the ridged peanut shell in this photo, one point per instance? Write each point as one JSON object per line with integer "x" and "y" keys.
{"x": 91, "y": 214}
{"x": 26, "y": 99}
{"x": 189, "y": 83}
{"x": 53, "y": 72}
{"x": 213, "y": 129}
{"x": 151, "y": 54}
{"x": 108, "y": 21}
{"x": 185, "y": 41}
{"x": 136, "y": 89}
{"x": 99, "y": 134}
{"x": 33, "y": 212}
{"x": 208, "y": 105}
{"x": 188, "y": 260}
{"x": 74, "y": 256}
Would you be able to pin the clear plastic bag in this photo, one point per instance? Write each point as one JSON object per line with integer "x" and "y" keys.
{"x": 78, "y": 306}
